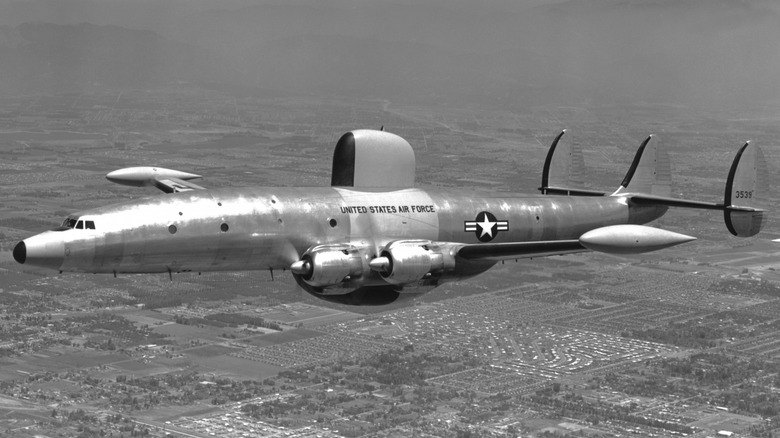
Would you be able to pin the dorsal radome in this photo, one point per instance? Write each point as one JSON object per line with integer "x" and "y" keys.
{"x": 367, "y": 158}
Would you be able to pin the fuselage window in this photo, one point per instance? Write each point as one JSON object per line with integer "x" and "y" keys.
{"x": 90, "y": 225}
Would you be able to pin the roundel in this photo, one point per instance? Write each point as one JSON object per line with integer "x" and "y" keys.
{"x": 486, "y": 226}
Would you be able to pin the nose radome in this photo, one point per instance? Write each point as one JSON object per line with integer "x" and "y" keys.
{"x": 45, "y": 250}
{"x": 20, "y": 252}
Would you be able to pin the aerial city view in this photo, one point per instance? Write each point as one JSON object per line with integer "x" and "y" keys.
{"x": 323, "y": 219}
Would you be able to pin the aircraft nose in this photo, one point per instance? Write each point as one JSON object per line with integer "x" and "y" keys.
{"x": 44, "y": 250}
{"x": 20, "y": 252}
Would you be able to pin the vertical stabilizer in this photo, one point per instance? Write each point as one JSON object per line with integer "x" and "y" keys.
{"x": 564, "y": 169}
{"x": 564, "y": 164}
{"x": 745, "y": 186}
{"x": 650, "y": 172}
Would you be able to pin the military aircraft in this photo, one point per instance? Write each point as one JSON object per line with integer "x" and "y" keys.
{"x": 372, "y": 237}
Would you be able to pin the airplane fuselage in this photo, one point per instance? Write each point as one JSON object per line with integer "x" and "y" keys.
{"x": 269, "y": 228}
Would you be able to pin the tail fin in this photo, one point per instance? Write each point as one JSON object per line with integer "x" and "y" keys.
{"x": 650, "y": 172}
{"x": 649, "y": 180}
{"x": 746, "y": 183}
{"x": 563, "y": 170}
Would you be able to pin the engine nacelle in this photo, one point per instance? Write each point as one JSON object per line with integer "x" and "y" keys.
{"x": 408, "y": 261}
{"x": 328, "y": 265}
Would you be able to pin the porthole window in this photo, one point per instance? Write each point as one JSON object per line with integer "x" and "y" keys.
{"x": 332, "y": 222}
{"x": 172, "y": 229}
{"x": 224, "y": 227}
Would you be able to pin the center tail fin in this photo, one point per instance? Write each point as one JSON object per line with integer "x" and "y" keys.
{"x": 650, "y": 172}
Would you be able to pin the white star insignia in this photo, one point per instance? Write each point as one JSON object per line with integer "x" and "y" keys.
{"x": 487, "y": 228}
{"x": 486, "y": 225}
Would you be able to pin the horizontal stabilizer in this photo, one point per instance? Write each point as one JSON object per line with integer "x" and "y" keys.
{"x": 667, "y": 201}
{"x": 570, "y": 192}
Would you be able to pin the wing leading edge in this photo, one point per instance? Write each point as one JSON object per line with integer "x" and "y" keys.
{"x": 519, "y": 250}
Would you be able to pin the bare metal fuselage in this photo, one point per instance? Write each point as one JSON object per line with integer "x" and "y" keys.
{"x": 269, "y": 228}
{"x": 368, "y": 245}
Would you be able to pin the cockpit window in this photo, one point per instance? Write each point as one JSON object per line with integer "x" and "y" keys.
{"x": 71, "y": 223}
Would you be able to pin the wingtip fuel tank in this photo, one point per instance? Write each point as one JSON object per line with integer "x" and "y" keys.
{"x": 142, "y": 176}
{"x": 631, "y": 239}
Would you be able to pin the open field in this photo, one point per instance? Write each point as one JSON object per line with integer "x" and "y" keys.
{"x": 283, "y": 337}
{"x": 58, "y": 362}
{"x": 234, "y": 367}
{"x": 309, "y": 316}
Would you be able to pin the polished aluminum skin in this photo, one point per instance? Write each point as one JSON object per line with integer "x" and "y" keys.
{"x": 364, "y": 244}
{"x": 268, "y": 228}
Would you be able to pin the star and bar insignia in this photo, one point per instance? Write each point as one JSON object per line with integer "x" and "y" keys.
{"x": 486, "y": 226}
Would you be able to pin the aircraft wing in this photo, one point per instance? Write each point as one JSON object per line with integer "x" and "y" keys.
{"x": 612, "y": 239}
{"x": 519, "y": 250}
{"x": 167, "y": 180}
{"x": 172, "y": 185}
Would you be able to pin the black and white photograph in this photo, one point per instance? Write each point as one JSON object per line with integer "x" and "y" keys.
{"x": 389, "y": 218}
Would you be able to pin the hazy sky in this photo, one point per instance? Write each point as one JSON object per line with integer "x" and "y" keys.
{"x": 689, "y": 51}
